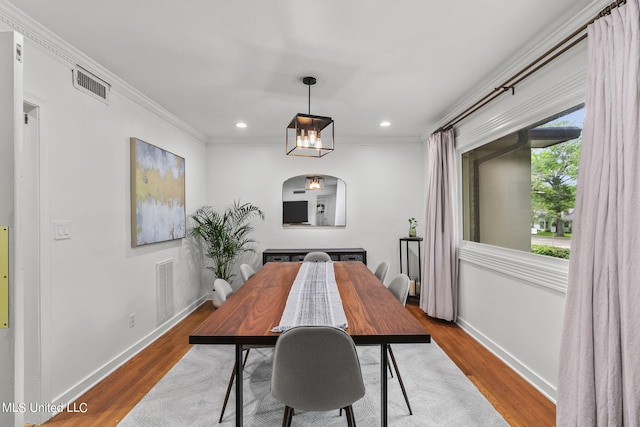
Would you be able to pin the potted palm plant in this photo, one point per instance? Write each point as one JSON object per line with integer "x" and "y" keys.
{"x": 225, "y": 234}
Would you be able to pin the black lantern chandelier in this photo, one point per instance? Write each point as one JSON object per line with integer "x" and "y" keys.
{"x": 309, "y": 135}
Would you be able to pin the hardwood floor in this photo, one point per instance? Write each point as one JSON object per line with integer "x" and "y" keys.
{"x": 515, "y": 399}
{"x": 109, "y": 401}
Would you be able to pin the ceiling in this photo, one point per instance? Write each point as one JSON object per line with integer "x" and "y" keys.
{"x": 213, "y": 63}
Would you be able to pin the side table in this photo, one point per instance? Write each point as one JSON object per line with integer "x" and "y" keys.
{"x": 418, "y": 241}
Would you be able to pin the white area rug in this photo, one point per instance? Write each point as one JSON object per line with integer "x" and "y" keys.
{"x": 191, "y": 394}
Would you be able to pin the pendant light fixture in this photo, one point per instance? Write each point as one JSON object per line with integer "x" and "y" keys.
{"x": 314, "y": 183}
{"x": 309, "y": 135}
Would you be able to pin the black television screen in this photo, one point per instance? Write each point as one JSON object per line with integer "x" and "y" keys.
{"x": 294, "y": 212}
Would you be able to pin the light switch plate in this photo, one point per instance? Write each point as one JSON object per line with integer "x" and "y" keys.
{"x": 61, "y": 230}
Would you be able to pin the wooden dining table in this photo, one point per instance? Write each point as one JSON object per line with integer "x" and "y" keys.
{"x": 374, "y": 316}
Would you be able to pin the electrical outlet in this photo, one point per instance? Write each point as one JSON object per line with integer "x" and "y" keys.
{"x": 132, "y": 320}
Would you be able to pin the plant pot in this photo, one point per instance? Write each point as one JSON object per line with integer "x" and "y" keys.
{"x": 412, "y": 232}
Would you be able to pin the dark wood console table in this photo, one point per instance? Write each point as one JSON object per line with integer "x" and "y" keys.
{"x": 339, "y": 254}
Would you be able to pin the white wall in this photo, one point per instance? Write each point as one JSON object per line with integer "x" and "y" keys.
{"x": 95, "y": 279}
{"x": 513, "y": 301}
{"x": 384, "y": 189}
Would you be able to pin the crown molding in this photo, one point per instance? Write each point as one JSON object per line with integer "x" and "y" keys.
{"x": 57, "y": 48}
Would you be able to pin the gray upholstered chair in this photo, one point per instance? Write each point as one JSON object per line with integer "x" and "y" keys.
{"x": 381, "y": 271}
{"x": 316, "y": 368}
{"x": 317, "y": 257}
{"x": 246, "y": 271}
{"x": 399, "y": 287}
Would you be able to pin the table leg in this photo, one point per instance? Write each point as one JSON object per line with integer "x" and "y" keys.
{"x": 419, "y": 266}
{"x": 383, "y": 384}
{"x": 406, "y": 249}
{"x": 239, "y": 397}
{"x": 400, "y": 252}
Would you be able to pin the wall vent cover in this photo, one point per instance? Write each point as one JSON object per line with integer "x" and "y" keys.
{"x": 164, "y": 291}
{"x": 91, "y": 84}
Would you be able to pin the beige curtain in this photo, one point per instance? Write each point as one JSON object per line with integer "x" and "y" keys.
{"x": 439, "y": 294}
{"x": 599, "y": 382}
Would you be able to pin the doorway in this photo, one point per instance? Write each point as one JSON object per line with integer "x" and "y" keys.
{"x": 28, "y": 208}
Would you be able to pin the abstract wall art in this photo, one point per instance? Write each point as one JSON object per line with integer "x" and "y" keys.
{"x": 157, "y": 194}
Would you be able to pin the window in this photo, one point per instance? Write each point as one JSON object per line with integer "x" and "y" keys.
{"x": 519, "y": 190}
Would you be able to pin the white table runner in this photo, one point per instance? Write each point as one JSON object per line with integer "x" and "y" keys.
{"x": 314, "y": 299}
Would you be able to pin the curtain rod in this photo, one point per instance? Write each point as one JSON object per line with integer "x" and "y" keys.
{"x": 541, "y": 61}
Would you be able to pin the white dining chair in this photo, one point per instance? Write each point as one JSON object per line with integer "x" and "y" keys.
{"x": 316, "y": 368}
{"x": 246, "y": 271}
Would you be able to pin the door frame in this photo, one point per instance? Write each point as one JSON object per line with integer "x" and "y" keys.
{"x": 37, "y": 375}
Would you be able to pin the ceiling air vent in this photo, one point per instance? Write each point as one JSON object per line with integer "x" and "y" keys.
{"x": 91, "y": 84}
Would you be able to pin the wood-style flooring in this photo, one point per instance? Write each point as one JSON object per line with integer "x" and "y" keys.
{"x": 109, "y": 401}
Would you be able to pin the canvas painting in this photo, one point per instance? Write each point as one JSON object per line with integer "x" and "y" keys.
{"x": 157, "y": 194}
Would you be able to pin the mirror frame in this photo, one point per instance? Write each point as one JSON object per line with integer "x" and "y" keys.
{"x": 333, "y": 194}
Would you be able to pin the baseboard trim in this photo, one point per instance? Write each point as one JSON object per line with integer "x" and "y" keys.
{"x": 72, "y": 394}
{"x": 542, "y": 385}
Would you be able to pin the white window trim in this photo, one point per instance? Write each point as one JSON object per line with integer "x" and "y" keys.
{"x": 562, "y": 96}
{"x": 540, "y": 270}
{"x": 563, "y": 87}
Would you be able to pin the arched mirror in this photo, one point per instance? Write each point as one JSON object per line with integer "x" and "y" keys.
{"x": 314, "y": 201}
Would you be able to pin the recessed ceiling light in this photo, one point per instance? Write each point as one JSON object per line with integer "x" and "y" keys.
{"x": 241, "y": 125}
{"x": 385, "y": 124}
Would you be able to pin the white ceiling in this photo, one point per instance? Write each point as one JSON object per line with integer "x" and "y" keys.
{"x": 215, "y": 62}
